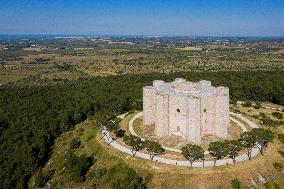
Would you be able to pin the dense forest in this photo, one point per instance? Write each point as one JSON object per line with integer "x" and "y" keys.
{"x": 32, "y": 116}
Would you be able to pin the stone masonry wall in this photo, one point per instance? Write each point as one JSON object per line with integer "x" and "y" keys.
{"x": 189, "y": 110}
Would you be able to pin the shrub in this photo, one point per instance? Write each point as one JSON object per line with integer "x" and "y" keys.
{"x": 100, "y": 172}
{"x": 121, "y": 176}
{"x": 269, "y": 122}
{"x": 75, "y": 143}
{"x": 257, "y": 105}
{"x": 119, "y": 133}
{"x": 113, "y": 124}
{"x": 247, "y": 103}
{"x": 255, "y": 116}
{"x": 262, "y": 114}
{"x": 233, "y": 101}
{"x": 81, "y": 130}
{"x": 278, "y": 166}
{"x": 41, "y": 178}
{"x": 130, "y": 112}
{"x": 77, "y": 167}
{"x": 236, "y": 184}
{"x": 281, "y": 152}
{"x": 271, "y": 185}
{"x": 278, "y": 115}
{"x": 281, "y": 138}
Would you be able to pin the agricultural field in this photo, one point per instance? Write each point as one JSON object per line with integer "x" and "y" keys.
{"x": 84, "y": 57}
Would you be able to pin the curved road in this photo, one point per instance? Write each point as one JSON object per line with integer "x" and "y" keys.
{"x": 209, "y": 163}
{"x": 140, "y": 114}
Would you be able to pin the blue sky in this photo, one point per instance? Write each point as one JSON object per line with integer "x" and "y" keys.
{"x": 146, "y": 17}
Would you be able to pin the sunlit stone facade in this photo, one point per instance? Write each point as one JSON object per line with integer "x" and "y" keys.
{"x": 186, "y": 109}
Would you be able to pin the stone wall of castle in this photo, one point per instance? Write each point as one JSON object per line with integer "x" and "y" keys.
{"x": 189, "y": 110}
{"x": 149, "y": 105}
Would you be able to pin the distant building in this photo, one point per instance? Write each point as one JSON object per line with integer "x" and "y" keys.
{"x": 186, "y": 109}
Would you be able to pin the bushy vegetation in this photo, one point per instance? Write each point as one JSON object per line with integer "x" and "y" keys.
{"x": 121, "y": 176}
{"x": 236, "y": 184}
{"x": 31, "y": 117}
{"x": 271, "y": 185}
{"x": 278, "y": 166}
{"x": 270, "y": 123}
{"x": 247, "y": 103}
{"x": 192, "y": 153}
{"x": 41, "y": 178}
{"x": 77, "y": 167}
{"x": 281, "y": 138}
{"x": 257, "y": 138}
{"x": 278, "y": 115}
{"x": 75, "y": 143}
{"x": 257, "y": 105}
{"x": 153, "y": 147}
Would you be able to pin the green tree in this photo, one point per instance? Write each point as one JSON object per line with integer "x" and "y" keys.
{"x": 263, "y": 137}
{"x": 113, "y": 124}
{"x": 119, "y": 133}
{"x": 234, "y": 146}
{"x": 267, "y": 121}
{"x": 248, "y": 140}
{"x": 134, "y": 141}
{"x": 218, "y": 150}
{"x": 192, "y": 153}
{"x": 153, "y": 147}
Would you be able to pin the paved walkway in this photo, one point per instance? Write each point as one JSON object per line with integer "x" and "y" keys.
{"x": 209, "y": 163}
{"x": 140, "y": 114}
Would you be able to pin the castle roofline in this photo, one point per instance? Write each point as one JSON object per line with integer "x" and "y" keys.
{"x": 182, "y": 87}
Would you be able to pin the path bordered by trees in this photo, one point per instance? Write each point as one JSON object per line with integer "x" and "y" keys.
{"x": 140, "y": 114}
{"x": 208, "y": 163}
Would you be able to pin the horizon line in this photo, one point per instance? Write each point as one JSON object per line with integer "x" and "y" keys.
{"x": 148, "y": 35}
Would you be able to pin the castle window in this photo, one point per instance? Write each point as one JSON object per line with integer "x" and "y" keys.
{"x": 205, "y": 110}
{"x": 178, "y": 110}
{"x": 178, "y": 128}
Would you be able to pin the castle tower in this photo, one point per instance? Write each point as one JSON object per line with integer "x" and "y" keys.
{"x": 186, "y": 109}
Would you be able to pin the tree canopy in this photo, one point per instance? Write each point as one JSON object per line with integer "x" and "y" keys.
{"x": 192, "y": 152}
{"x": 153, "y": 147}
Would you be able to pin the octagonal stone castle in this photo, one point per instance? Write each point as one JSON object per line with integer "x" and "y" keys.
{"x": 186, "y": 109}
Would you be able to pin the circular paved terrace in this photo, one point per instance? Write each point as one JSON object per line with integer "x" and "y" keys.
{"x": 207, "y": 163}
